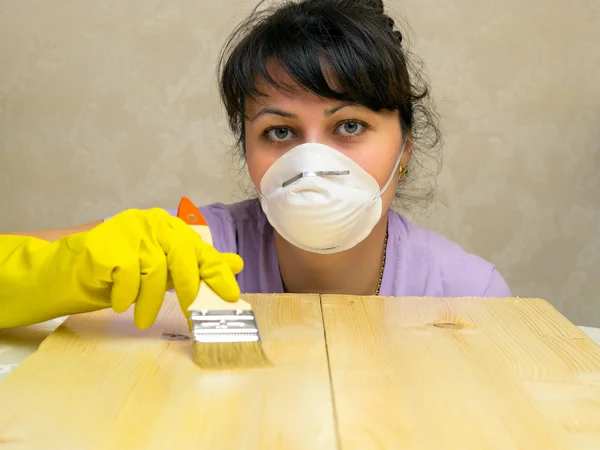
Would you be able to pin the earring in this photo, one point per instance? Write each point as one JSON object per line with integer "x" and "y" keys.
{"x": 403, "y": 171}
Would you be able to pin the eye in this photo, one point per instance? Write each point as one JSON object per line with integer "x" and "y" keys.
{"x": 350, "y": 127}
{"x": 278, "y": 134}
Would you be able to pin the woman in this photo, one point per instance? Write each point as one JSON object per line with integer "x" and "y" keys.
{"x": 331, "y": 121}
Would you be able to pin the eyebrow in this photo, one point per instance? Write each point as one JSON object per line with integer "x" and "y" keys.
{"x": 275, "y": 112}
{"x": 289, "y": 115}
{"x": 332, "y": 111}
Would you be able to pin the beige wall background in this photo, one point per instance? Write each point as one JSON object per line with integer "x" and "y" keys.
{"x": 111, "y": 104}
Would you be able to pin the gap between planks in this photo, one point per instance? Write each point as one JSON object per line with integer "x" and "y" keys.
{"x": 336, "y": 424}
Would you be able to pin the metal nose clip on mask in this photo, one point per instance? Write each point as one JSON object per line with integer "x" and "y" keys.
{"x": 315, "y": 174}
{"x": 320, "y": 200}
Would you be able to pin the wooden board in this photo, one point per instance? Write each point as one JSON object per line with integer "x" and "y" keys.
{"x": 99, "y": 383}
{"x": 349, "y": 372}
{"x": 462, "y": 374}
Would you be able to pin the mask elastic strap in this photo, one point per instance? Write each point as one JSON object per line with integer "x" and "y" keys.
{"x": 387, "y": 184}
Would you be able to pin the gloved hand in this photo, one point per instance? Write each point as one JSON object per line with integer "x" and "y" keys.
{"x": 134, "y": 257}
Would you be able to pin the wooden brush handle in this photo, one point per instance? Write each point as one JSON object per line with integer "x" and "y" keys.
{"x": 207, "y": 298}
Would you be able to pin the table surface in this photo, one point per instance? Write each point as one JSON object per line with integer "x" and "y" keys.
{"x": 346, "y": 371}
{"x": 15, "y": 345}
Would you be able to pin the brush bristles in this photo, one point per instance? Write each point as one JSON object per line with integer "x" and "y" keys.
{"x": 230, "y": 355}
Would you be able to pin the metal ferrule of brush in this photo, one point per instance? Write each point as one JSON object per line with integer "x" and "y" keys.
{"x": 224, "y": 326}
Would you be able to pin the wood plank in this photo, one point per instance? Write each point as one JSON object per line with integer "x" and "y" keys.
{"x": 99, "y": 383}
{"x": 417, "y": 373}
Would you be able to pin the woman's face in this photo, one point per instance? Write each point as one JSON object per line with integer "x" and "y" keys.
{"x": 280, "y": 121}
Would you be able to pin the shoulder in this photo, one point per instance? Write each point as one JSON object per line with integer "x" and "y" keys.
{"x": 444, "y": 265}
{"x": 229, "y": 223}
{"x": 236, "y": 215}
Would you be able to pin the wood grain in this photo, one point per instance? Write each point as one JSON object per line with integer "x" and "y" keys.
{"x": 416, "y": 373}
{"x": 406, "y": 373}
{"x": 99, "y": 383}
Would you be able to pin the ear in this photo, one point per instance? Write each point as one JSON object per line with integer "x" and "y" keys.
{"x": 408, "y": 149}
{"x": 409, "y": 146}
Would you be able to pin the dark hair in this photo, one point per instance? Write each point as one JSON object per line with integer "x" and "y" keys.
{"x": 359, "y": 43}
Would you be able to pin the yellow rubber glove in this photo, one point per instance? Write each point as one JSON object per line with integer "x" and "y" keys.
{"x": 134, "y": 257}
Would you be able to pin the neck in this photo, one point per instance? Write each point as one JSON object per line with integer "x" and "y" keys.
{"x": 356, "y": 271}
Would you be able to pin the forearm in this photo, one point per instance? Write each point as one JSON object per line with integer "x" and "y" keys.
{"x": 39, "y": 281}
{"x": 53, "y": 235}
{"x": 21, "y": 262}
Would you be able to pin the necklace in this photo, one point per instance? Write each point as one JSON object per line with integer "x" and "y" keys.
{"x": 382, "y": 262}
{"x": 382, "y": 265}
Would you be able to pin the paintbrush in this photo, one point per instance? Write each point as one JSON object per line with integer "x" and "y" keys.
{"x": 224, "y": 334}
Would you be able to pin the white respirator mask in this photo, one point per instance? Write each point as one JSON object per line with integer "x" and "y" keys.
{"x": 321, "y": 201}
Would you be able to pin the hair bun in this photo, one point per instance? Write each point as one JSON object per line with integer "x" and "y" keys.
{"x": 391, "y": 24}
{"x": 398, "y": 35}
{"x": 376, "y": 4}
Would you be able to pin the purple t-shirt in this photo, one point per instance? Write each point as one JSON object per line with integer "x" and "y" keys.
{"x": 418, "y": 263}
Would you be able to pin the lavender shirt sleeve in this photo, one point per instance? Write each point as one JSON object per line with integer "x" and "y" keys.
{"x": 422, "y": 263}
{"x": 497, "y": 287}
